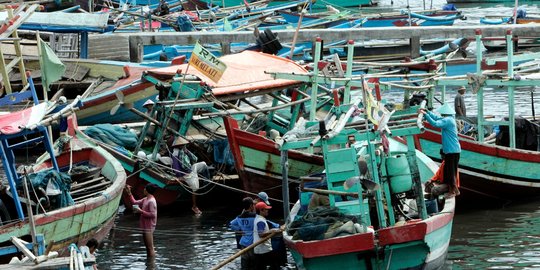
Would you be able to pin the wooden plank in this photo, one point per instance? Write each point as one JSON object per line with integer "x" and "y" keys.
{"x": 86, "y": 183}
{"x": 88, "y": 196}
{"x": 87, "y": 189}
{"x": 137, "y": 40}
{"x": 75, "y": 72}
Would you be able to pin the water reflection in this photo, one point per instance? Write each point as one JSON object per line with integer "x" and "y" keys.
{"x": 507, "y": 238}
{"x": 182, "y": 241}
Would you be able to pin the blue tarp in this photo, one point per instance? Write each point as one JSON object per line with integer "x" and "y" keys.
{"x": 222, "y": 152}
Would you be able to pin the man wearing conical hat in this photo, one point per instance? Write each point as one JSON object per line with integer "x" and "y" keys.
{"x": 450, "y": 144}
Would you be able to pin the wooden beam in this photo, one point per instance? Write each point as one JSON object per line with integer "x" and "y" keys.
{"x": 137, "y": 40}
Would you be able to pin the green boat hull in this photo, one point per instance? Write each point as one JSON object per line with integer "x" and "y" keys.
{"x": 90, "y": 217}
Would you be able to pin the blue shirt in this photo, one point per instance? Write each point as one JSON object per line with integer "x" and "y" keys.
{"x": 450, "y": 142}
{"x": 244, "y": 223}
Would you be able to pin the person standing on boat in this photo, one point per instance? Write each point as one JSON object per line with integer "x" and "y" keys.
{"x": 147, "y": 207}
{"x": 450, "y": 144}
{"x": 264, "y": 256}
{"x": 243, "y": 226}
{"x": 186, "y": 166}
{"x": 459, "y": 103}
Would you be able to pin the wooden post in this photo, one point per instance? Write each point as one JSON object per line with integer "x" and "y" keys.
{"x": 30, "y": 214}
{"x": 285, "y": 182}
{"x": 239, "y": 253}
{"x": 511, "y": 97}
{"x": 415, "y": 46}
{"x": 225, "y": 48}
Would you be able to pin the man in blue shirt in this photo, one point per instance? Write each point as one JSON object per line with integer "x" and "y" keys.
{"x": 243, "y": 225}
{"x": 450, "y": 144}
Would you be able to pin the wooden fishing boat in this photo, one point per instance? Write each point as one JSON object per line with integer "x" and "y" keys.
{"x": 256, "y": 159}
{"x": 522, "y": 42}
{"x": 428, "y": 18}
{"x": 363, "y": 164}
{"x": 500, "y": 171}
{"x": 191, "y": 93}
{"x": 80, "y": 198}
{"x": 97, "y": 81}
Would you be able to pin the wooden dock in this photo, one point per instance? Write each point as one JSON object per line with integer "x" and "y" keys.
{"x": 136, "y": 41}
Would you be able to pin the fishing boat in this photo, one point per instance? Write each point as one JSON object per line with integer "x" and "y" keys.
{"x": 368, "y": 177}
{"x": 404, "y": 18}
{"x": 198, "y": 104}
{"x": 521, "y": 42}
{"x": 70, "y": 194}
{"x": 97, "y": 81}
{"x": 503, "y": 170}
{"x": 256, "y": 159}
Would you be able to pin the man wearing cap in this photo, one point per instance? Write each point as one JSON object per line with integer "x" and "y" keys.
{"x": 459, "y": 103}
{"x": 263, "y": 252}
{"x": 243, "y": 226}
{"x": 450, "y": 144}
{"x": 262, "y": 197}
{"x": 185, "y": 165}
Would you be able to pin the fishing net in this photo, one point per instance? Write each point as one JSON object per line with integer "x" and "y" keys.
{"x": 57, "y": 184}
{"x": 317, "y": 223}
{"x": 112, "y": 135}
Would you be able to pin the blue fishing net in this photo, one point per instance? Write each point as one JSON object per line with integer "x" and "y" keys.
{"x": 112, "y": 135}
{"x": 60, "y": 182}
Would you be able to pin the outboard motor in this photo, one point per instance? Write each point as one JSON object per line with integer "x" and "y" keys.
{"x": 268, "y": 41}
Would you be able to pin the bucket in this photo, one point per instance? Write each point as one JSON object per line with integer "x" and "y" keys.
{"x": 432, "y": 207}
{"x": 398, "y": 171}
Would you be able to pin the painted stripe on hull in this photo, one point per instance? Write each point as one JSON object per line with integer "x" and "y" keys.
{"x": 489, "y": 159}
{"x": 79, "y": 222}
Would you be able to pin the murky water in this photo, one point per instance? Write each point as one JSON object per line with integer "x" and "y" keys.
{"x": 182, "y": 240}
{"x": 498, "y": 238}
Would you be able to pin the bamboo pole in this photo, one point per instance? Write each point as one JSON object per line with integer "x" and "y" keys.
{"x": 239, "y": 253}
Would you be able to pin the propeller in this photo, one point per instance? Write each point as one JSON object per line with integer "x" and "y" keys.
{"x": 460, "y": 47}
{"x": 120, "y": 97}
{"x": 366, "y": 183}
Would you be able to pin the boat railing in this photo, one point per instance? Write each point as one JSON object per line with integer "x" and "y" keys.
{"x": 496, "y": 72}
{"x": 332, "y": 138}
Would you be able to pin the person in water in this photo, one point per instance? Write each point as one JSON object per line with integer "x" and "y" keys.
{"x": 147, "y": 208}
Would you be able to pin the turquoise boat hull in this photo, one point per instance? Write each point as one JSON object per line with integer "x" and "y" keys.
{"x": 490, "y": 170}
{"x": 416, "y": 244}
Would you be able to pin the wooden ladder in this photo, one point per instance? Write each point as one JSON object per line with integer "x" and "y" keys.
{"x": 8, "y": 33}
{"x": 340, "y": 165}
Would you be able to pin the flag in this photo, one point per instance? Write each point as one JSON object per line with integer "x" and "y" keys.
{"x": 52, "y": 68}
{"x": 376, "y": 112}
{"x": 207, "y": 63}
